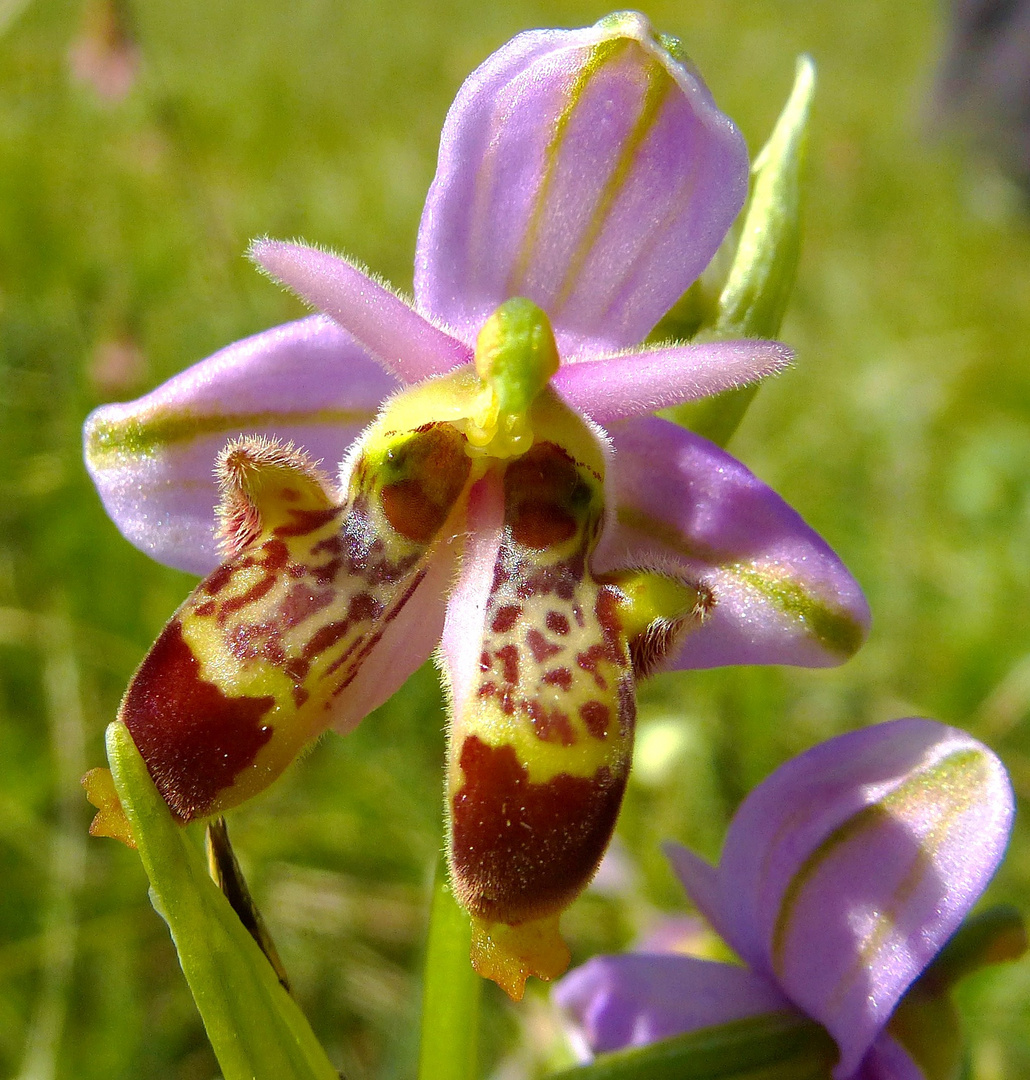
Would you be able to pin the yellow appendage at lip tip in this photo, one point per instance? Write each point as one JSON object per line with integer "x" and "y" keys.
{"x": 110, "y": 818}
{"x": 508, "y": 955}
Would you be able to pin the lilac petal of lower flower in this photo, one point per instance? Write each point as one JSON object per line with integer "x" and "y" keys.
{"x": 781, "y": 595}
{"x": 886, "y": 1059}
{"x": 637, "y": 998}
{"x": 851, "y": 866}
{"x": 611, "y": 388}
{"x": 152, "y": 459}
{"x": 400, "y": 339}
{"x": 702, "y": 883}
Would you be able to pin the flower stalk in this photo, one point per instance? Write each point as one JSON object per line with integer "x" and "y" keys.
{"x": 754, "y": 298}
{"x": 256, "y": 1029}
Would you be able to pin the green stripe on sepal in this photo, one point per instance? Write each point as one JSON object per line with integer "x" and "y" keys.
{"x": 256, "y": 1029}
{"x": 833, "y": 627}
{"x": 115, "y": 442}
{"x": 754, "y": 299}
{"x": 774, "y": 1046}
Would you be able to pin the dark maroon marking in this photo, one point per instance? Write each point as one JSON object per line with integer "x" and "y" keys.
{"x": 297, "y": 669}
{"x": 577, "y": 614}
{"x": 300, "y": 696}
{"x": 410, "y": 511}
{"x": 208, "y": 607}
{"x": 540, "y": 647}
{"x": 560, "y": 579}
{"x": 325, "y": 637}
{"x": 597, "y": 717}
{"x": 323, "y": 575}
{"x": 431, "y": 469}
{"x": 506, "y": 618}
{"x": 522, "y": 850}
{"x": 588, "y": 661}
{"x": 362, "y": 645}
{"x": 485, "y": 663}
{"x": 557, "y": 623}
{"x": 560, "y": 677}
{"x": 540, "y": 525}
{"x": 194, "y": 739}
{"x": 273, "y": 650}
{"x": 301, "y": 603}
{"x": 505, "y": 696}
{"x": 251, "y": 596}
{"x": 606, "y": 608}
{"x": 277, "y": 555}
{"x": 545, "y": 497}
{"x": 244, "y": 642}
{"x": 364, "y": 607}
{"x": 331, "y": 545}
{"x": 548, "y": 725}
{"x": 509, "y": 658}
{"x": 289, "y": 494}
{"x": 303, "y": 522}
{"x": 218, "y": 579}
{"x": 501, "y": 577}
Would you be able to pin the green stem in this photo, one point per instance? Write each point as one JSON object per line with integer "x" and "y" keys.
{"x": 451, "y": 992}
{"x": 256, "y": 1029}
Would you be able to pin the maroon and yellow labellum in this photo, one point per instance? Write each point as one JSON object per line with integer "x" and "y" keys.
{"x": 258, "y": 660}
{"x": 540, "y": 743}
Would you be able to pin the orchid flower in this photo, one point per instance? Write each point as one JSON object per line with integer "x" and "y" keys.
{"x": 585, "y": 180}
{"x": 842, "y": 877}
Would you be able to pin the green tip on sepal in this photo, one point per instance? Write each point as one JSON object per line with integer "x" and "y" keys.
{"x": 255, "y": 1027}
{"x": 774, "y": 1046}
{"x": 757, "y": 290}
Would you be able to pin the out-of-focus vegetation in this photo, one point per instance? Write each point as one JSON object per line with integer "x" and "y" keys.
{"x": 903, "y": 435}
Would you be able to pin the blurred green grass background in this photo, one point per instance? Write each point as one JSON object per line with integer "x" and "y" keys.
{"x": 902, "y": 435}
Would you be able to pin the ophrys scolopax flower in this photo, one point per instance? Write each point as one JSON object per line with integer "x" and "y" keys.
{"x": 585, "y": 180}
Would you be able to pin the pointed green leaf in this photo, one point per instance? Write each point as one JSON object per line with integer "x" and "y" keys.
{"x": 755, "y": 296}
{"x": 255, "y": 1027}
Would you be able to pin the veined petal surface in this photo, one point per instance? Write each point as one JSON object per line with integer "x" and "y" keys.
{"x": 638, "y": 998}
{"x": 612, "y": 388}
{"x": 845, "y": 872}
{"x": 406, "y": 344}
{"x": 587, "y": 170}
{"x": 780, "y": 594}
{"x": 152, "y": 460}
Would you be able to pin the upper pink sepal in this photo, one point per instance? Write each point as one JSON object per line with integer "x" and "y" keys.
{"x": 588, "y": 170}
